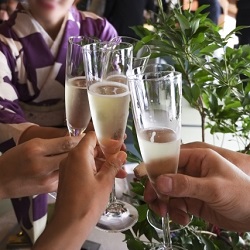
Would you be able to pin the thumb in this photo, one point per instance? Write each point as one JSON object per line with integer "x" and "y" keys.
{"x": 112, "y": 165}
{"x": 179, "y": 185}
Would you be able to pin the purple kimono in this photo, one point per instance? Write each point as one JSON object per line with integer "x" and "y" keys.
{"x": 32, "y": 75}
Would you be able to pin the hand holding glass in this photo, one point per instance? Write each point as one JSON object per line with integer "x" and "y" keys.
{"x": 156, "y": 106}
{"x": 109, "y": 98}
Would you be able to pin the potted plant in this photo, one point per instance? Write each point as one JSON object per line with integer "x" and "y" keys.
{"x": 216, "y": 84}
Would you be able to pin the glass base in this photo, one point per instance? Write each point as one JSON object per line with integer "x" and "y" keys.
{"x": 155, "y": 221}
{"x": 119, "y": 216}
{"x": 161, "y": 247}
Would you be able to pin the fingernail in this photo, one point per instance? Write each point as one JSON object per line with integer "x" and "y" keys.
{"x": 164, "y": 184}
{"x": 122, "y": 156}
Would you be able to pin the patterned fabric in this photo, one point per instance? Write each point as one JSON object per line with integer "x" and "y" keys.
{"x": 32, "y": 75}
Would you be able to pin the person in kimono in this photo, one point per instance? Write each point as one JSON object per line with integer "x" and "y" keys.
{"x": 82, "y": 177}
{"x": 33, "y": 44}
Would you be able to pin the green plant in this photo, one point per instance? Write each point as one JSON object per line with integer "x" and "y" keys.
{"x": 219, "y": 88}
{"x": 215, "y": 76}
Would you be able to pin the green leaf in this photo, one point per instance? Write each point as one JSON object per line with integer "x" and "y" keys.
{"x": 137, "y": 187}
{"x": 133, "y": 158}
{"x": 213, "y": 102}
{"x": 195, "y": 91}
{"x": 136, "y": 245}
{"x": 142, "y": 210}
{"x": 208, "y": 243}
{"x": 222, "y": 91}
{"x": 195, "y": 25}
{"x": 183, "y": 21}
{"x": 210, "y": 49}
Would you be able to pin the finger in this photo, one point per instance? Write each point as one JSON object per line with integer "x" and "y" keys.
{"x": 226, "y": 153}
{"x": 178, "y": 185}
{"x": 150, "y": 197}
{"x": 178, "y": 211}
{"x": 159, "y": 207}
{"x": 99, "y": 153}
{"x": 82, "y": 155}
{"x": 124, "y": 147}
{"x": 192, "y": 159}
{"x": 112, "y": 166}
{"x": 87, "y": 145}
{"x": 199, "y": 162}
{"x": 121, "y": 174}
{"x": 149, "y": 193}
{"x": 58, "y": 145}
{"x": 51, "y": 163}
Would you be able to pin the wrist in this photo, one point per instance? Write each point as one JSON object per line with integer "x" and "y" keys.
{"x": 59, "y": 231}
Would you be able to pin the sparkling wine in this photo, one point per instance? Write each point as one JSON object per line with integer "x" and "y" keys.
{"x": 109, "y": 105}
{"x": 77, "y": 105}
{"x": 117, "y": 78}
{"x": 160, "y": 149}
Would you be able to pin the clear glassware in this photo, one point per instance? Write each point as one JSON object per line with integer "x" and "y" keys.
{"x": 141, "y": 58}
{"x": 106, "y": 65}
{"x": 155, "y": 221}
{"x": 152, "y": 67}
{"x": 156, "y": 105}
{"x": 76, "y": 98}
{"x": 141, "y": 51}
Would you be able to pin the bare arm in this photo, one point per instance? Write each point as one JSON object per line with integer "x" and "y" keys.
{"x": 82, "y": 196}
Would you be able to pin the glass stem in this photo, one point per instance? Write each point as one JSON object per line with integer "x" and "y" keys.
{"x": 167, "y": 243}
{"x": 112, "y": 197}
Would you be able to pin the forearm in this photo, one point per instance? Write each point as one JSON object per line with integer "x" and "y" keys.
{"x": 42, "y": 132}
{"x": 66, "y": 233}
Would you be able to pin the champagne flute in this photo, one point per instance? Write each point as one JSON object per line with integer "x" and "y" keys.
{"x": 106, "y": 66}
{"x": 141, "y": 51}
{"x": 150, "y": 68}
{"x": 141, "y": 55}
{"x": 153, "y": 219}
{"x": 156, "y": 106}
{"x": 76, "y": 98}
